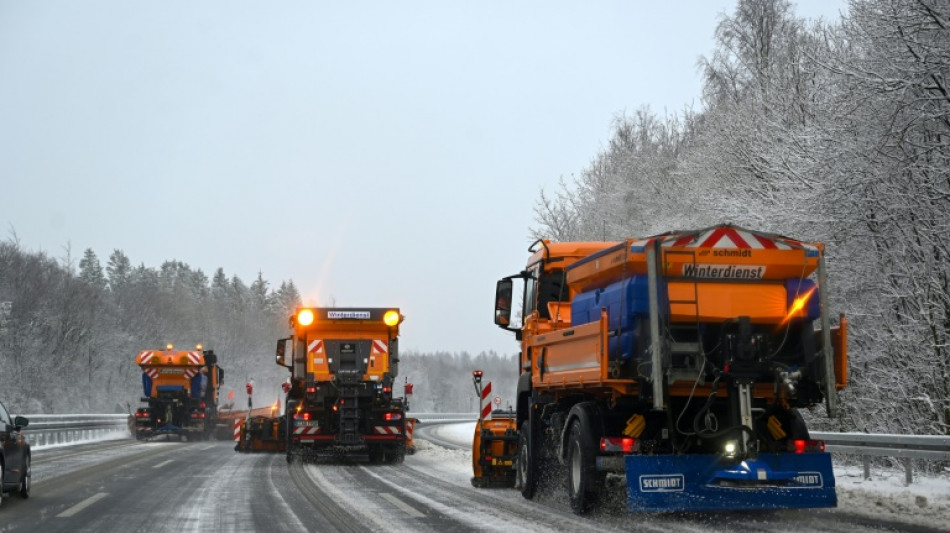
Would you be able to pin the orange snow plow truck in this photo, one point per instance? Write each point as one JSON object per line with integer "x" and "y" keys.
{"x": 678, "y": 362}
{"x": 343, "y": 364}
{"x": 180, "y": 393}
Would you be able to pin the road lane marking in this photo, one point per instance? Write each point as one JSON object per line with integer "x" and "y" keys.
{"x": 409, "y": 510}
{"x": 82, "y": 505}
{"x": 163, "y": 463}
{"x": 207, "y": 447}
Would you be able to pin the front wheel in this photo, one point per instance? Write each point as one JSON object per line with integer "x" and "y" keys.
{"x": 583, "y": 482}
{"x": 527, "y": 471}
{"x": 25, "y": 478}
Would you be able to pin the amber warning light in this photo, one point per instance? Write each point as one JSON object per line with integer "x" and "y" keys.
{"x": 391, "y": 318}
{"x": 305, "y": 317}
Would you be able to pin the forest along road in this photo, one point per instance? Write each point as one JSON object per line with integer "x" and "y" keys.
{"x": 206, "y": 486}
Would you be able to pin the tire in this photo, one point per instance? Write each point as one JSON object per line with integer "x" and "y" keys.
{"x": 395, "y": 457}
{"x": 25, "y": 478}
{"x": 376, "y": 455}
{"x": 584, "y": 483}
{"x": 527, "y": 470}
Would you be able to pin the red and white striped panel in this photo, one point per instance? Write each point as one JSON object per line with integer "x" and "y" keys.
{"x": 726, "y": 237}
{"x": 151, "y": 372}
{"x": 410, "y": 426}
{"x": 306, "y": 431}
{"x": 237, "y": 429}
{"x": 190, "y": 372}
{"x": 379, "y": 347}
{"x": 145, "y": 357}
{"x": 315, "y": 347}
{"x": 387, "y": 430}
{"x": 486, "y": 402}
{"x": 194, "y": 358}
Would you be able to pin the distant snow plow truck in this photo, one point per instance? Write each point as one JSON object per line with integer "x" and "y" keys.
{"x": 180, "y": 392}
{"x": 343, "y": 364}
{"x": 679, "y": 362}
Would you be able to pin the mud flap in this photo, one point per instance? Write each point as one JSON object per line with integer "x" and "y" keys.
{"x": 660, "y": 483}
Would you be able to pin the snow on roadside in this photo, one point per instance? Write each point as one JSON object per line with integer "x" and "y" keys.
{"x": 926, "y": 501}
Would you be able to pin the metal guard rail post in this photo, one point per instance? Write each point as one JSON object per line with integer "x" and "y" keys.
{"x": 904, "y": 447}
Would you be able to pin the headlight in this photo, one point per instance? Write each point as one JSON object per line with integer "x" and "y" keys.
{"x": 305, "y": 317}
{"x": 730, "y": 448}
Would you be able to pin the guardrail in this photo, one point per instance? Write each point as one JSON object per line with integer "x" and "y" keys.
{"x": 444, "y": 417}
{"x": 906, "y": 448}
{"x": 46, "y": 430}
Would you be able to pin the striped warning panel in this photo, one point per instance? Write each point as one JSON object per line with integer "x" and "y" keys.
{"x": 485, "y": 402}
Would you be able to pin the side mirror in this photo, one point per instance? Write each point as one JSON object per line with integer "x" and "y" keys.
{"x": 281, "y": 352}
{"x": 21, "y": 421}
{"x": 503, "y": 303}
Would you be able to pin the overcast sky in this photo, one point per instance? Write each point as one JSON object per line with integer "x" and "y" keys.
{"x": 377, "y": 153}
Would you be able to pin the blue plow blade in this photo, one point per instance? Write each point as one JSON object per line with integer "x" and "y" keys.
{"x": 661, "y": 483}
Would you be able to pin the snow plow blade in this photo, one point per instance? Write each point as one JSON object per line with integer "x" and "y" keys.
{"x": 661, "y": 483}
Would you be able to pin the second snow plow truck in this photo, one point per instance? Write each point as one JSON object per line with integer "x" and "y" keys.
{"x": 343, "y": 364}
{"x": 679, "y": 362}
{"x": 180, "y": 392}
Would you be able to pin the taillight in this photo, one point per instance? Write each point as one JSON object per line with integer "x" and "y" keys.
{"x": 392, "y": 416}
{"x": 619, "y": 444}
{"x": 197, "y": 414}
{"x": 806, "y": 446}
{"x": 311, "y": 390}
{"x": 202, "y": 405}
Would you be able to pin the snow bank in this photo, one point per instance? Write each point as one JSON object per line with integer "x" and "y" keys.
{"x": 926, "y": 501}
{"x": 460, "y": 434}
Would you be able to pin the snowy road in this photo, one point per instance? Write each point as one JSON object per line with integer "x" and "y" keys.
{"x": 205, "y": 486}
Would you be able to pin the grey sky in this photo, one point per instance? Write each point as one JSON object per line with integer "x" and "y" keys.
{"x": 377, "y": 153}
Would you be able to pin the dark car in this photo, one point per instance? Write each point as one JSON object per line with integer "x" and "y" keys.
{"x": 14, "y": 455}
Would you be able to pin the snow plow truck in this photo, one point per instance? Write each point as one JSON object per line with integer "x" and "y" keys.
{"x": 343, "y": 364}
{"x": 180, "y": 393}
{"x": 678, "y": 363}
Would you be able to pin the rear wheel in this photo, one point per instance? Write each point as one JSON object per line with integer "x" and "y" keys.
{"x": 25, "y": 478}
{"x": 527, "y": 471}
{"x": 584, "y": 483}
{"x": 395, "y": 457}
